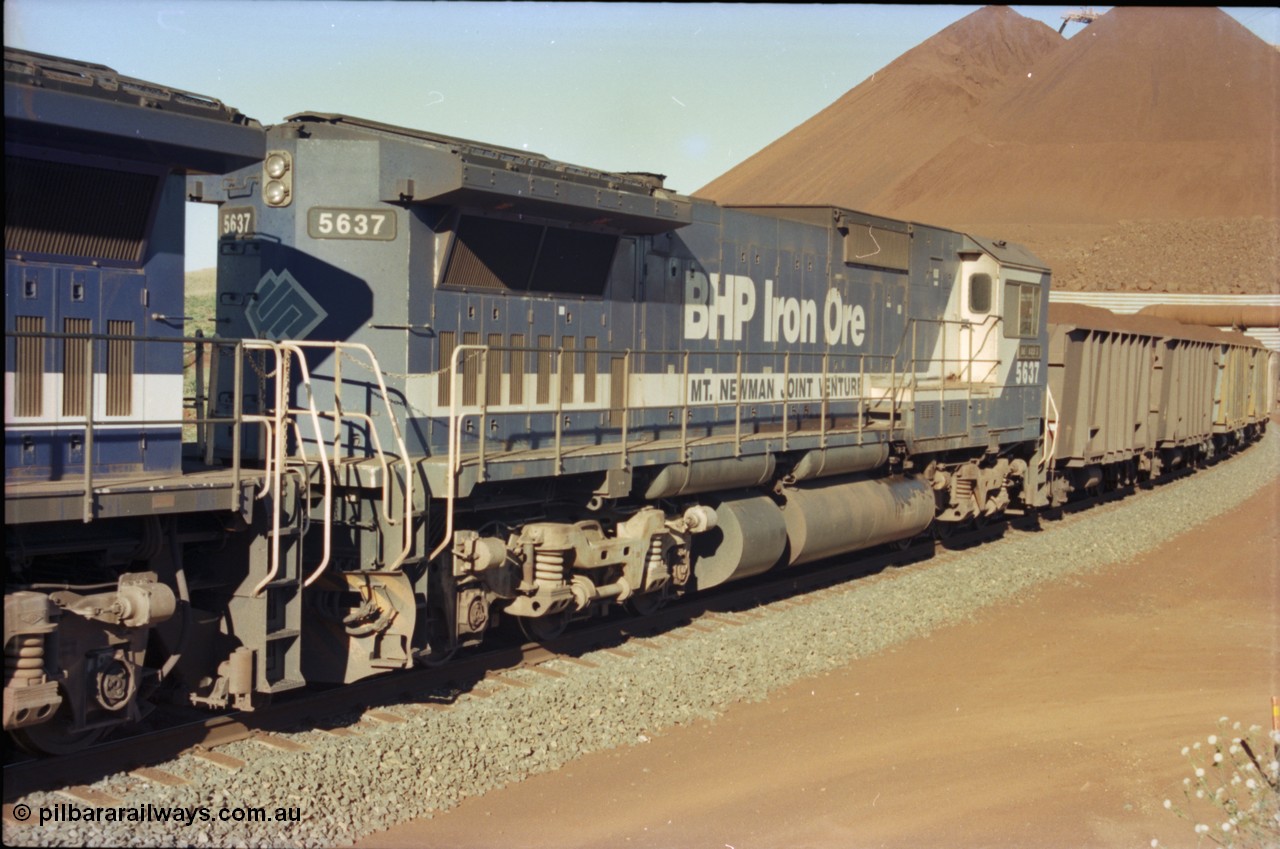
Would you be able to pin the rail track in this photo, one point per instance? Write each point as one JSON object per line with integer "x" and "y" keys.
{"x": 174, "y": 731}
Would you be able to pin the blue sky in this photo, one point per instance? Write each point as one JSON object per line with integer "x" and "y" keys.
{"x": 687, "y": 90}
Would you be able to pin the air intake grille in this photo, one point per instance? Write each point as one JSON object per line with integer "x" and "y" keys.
{"x": 514, "y": 256}
{"x": 74, "y": 210}
{"x": 119, "y": 369}
{"x": 73, "y": 365}
{"x": 29, "y": 367}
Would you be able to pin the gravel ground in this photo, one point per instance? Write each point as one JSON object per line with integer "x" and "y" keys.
{"x": 347, "y": 788}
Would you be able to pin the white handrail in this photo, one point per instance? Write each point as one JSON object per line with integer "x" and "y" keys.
{"x": 322, "y": 446}
{"x": 455, "y": 441}
{"x": 275, "y": 429}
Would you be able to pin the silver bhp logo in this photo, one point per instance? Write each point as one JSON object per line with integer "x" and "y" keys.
{"x": 282, "y": 309}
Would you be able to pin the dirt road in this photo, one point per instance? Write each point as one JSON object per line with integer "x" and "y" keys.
{"x": 1054, "y": 722}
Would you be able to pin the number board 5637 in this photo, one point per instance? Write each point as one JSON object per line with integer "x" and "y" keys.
{"x": 333, "y": 223}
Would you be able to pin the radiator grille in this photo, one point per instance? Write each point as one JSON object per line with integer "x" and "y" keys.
{"x": 491, "y": 254}
{"x": 74, "y": 210}
{"x": 119, "y": 369}
{"x": 589, "y": 370}
{"x": 517, "y": 368}
{"x": 29, "y": 367}
{"x": 444, "y": 374}
{"x": 470, "y": 369}
{"x": 515, "y": 256}
{"x": 568, "y": 367}
{"x": 74, "y": 359}
{"x": 544, "y": 369}
{"x": 493, "y": 370}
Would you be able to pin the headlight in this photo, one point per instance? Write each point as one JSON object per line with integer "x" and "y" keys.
{"x": 277, "y": 178}
{"x": 277, "y": 164}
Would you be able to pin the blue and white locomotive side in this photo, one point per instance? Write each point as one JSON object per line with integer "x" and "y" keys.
{"x": 95, "y": 174}
{"x": 98, "y": 506}
{"x": 623, "y": 294}
{"x": 529, "y": 348}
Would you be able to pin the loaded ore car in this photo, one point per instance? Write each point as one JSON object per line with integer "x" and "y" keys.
{"x": 543, "y": 389}
{"x": 95, "y": 499}
{"x": 1133, "y": 396}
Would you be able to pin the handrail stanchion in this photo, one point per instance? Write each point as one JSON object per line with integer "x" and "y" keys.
{"x": 786, "y": 408}
{"x": 559, "y": 393}
{"x": 626, "y": 405}
{"x": 737, "y": 406}
{"x": 483, "y": 379}
{"x": 237, "y": 414}
{"x": 88, "y": 432}
{"x": 201, "y": 399}
{"x": 684, "y": 412}
{"x": 826, "y": 404}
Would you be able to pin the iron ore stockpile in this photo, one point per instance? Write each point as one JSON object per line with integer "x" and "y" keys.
{"x": 350, "y": 787}
{"x": 1137, "y": 154}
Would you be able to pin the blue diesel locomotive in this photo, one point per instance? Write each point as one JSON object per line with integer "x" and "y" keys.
{"x": 542, "y": 389}
{"x": 454, "y": 384}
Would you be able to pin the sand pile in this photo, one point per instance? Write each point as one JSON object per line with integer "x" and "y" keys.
{"x": 1147, "y": 120}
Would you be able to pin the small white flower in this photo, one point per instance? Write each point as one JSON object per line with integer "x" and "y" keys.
{"x": 1226, "y": 826}
{"x": 1186, "y": 782}
{"x": 1235, "y": 750}
{"x": 1199, "y": 794}
{"x": 1251, "y": 784}
{"x": 1196, "y": 745}
{"x": 1213, "y": 739}
{"x": 1199, "y": 772}
{"x": 1168, "y": 804}
{"x": 1202, "y": 829}
{"x": 1186, "y": 750}
{"x": 1224, "y": 719}
{"x": 1236, "y": 726}
{"x": 1217, "y": 757}
{"x": 1155, "y": 843}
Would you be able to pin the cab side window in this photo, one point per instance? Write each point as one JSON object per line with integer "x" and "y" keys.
{"x": 1021, "y": 310}
{"x": 980, "y": 293}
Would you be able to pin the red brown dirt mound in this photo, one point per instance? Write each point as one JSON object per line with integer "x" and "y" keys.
{"x": 1148, "y": 113}
{"x": 1154, "y": 115}
{"x": 895, "y": 121}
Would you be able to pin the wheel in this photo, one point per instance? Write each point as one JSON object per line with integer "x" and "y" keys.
{"x": 943, "y": 531}
{"x": 55, "y": 737}
{"x": 542, "y": 629}
{"x": 903, "y": 544}
{"x": 647, "y": 604}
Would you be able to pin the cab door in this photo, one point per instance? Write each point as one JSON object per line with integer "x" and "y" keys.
{"x": 978, "y": 335}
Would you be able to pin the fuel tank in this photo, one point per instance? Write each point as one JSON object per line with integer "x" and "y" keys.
{"x": 835, "y": 517}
